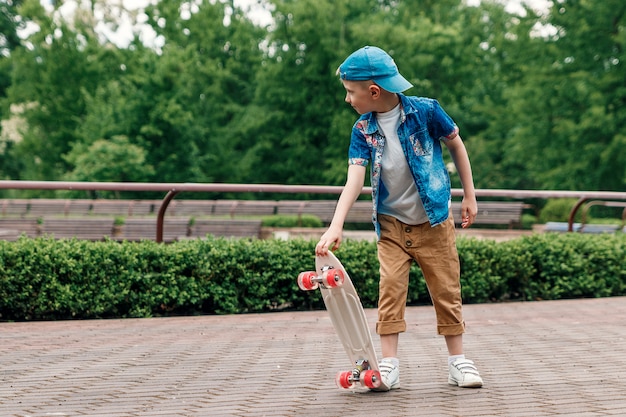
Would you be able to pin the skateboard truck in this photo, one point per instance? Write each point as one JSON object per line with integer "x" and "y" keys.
{"x": 361, "y": 373}
{"x": 330, "y": 278}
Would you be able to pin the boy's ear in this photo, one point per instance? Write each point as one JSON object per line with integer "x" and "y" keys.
{"x": 374, "y": 90}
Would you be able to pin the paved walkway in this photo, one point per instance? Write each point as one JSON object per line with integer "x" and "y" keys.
{"x": 550, "y": 358}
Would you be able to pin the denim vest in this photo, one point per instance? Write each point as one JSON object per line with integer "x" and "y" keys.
{"x": 423, "y": 125}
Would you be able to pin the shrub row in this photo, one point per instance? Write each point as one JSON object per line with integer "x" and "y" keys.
{"x": 45, "y": 279}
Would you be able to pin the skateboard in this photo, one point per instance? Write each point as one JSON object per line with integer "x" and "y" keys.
{"x": 348, "y": 318}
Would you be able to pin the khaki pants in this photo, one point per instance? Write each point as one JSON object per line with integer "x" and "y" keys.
{"x": 434, "y": 249}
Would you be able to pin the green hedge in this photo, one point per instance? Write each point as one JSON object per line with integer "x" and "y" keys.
{"x": 60, "y": 279}
{"x": 288, "y": 220}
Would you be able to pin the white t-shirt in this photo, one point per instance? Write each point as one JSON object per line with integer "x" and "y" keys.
{"x": 401, "y": 199}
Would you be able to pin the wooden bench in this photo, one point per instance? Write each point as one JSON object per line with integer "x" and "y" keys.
{"x": 324, "y": 209}
{"x": 14, "y": 207}
{"x": 136, "y": 229}
{"x": 243, "y": 208}
{"x": 126, "y": 208}
{"x": 80, "y": 228}
{"x": 111, "y": 207}
{"x": 493, "y": 213}
{"x": 489, "y": 213}
{"x": 144, "y": 207}
{"x": 41, "y": 207}
{"x": 361, "y": 211}
{"x": 15, "y": 227}
{"x": 226, "y": 228}
{"x": 189, "y": 208}
{"x": 180, "y": 211}
{"x": 77, "y": 207}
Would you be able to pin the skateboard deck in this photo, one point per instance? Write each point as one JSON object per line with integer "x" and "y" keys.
{"x": 348, "y": 318}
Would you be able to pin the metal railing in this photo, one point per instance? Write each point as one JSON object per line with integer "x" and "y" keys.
{"x": 614, "y": 204}
{"x": 173, "y": 189}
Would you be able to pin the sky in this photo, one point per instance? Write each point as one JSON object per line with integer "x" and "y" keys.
{"x": 122, "y": 35}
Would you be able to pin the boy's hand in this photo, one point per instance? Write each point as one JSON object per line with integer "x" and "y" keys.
{"x": 469, "y": 210}
{"x": 329, "y": 240}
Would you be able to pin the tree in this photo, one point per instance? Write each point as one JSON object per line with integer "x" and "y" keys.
{"x": 300, "y": 121}
{"x": 539, "y": 98}
{"x": 430, "y": 41}
{"x": 201, "y": 86}
{"x": 569, "y": 132}
{"x": 113, "y": 160}
{"x": 506, "y": 52}
{"x": 10, "y": 22}
{"x": 49, "y": 79}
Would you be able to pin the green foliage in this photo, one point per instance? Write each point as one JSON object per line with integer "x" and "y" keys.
{"x": 9, "y": 25}
{"x": 567, "y": 93}
{"x": 49, "y": 78}
{"x": 482, "y": 276}
{"x": 114, "y": 160}
{"x": 281, "y": 220}
{"x": 45, "y": 279}
{"x": 539, "y": 97}
{"x": 557, "y": 210}
{"x": 360, "y": 261}
{"x": 528, "y": 220}
{"x": 570, "y": 266}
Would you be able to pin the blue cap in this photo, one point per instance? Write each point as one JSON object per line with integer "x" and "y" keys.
{"x": 372, "y": 63}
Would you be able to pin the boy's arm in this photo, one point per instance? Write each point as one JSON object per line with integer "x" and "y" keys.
{"x": 469, "y": 206}
{"x": 354, "y": 184}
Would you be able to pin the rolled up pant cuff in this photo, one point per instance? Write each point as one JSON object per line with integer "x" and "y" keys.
{"x": 451, "y": 329}
{"x": 390, "y": 327}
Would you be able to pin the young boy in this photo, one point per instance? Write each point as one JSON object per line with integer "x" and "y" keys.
{"x": 402, "y": 137}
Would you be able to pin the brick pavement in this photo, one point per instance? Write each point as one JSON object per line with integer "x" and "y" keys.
{"x": 550, "y": 358}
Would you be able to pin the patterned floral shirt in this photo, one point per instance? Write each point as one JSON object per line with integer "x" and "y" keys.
{"x": 423, "y": 125}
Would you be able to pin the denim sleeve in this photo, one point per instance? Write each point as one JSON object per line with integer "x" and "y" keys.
{"x": 359, "y": 152}
{"x": 441, "y": 125}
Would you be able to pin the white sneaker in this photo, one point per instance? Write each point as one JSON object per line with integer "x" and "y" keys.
{"x": 389, "y": 376}
{"x": 463, "y": 373}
